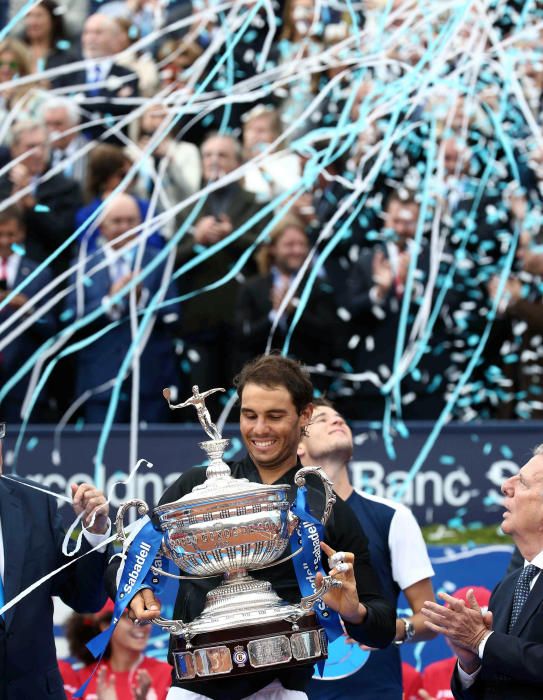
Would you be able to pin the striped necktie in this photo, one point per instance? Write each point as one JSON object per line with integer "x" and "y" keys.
{"x": 522, "y": 591}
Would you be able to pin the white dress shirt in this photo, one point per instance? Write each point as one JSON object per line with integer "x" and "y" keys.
{"x": 12, "y": 268}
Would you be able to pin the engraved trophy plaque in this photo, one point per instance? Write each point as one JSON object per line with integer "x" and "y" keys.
{"x": 227, "y": 526}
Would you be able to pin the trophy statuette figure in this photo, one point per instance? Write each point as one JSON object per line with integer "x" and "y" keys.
{"x": 227, "y": 526}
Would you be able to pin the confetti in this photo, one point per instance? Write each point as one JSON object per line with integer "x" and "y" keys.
{"x": 428, "y": 78}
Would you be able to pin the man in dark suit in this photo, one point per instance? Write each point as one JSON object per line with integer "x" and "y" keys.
{"x": 48, "y": 204}
{"x": 260, "y": 299}
{"x": 110, "y": 270}
{"x": 31, "y": 537}
{"x": 500, "y": 654}
{"x": 15, "y": 267}
{"x": 376, "y": 288}
{"x": 208, "y": 318}
{"x": 103, "y": 87}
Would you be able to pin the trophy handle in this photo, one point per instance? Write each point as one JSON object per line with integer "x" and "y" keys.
{"x": 328, "y": 582}
{"x": 175, "y": 627}
{"x": 143, "y": 509}
{"x": 299, "y": 479}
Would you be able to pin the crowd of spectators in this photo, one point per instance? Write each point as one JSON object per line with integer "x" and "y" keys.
{"x": 187, "y": 184}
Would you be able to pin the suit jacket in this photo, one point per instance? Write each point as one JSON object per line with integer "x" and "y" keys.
{"x": 313, "y": 341}
{"x": 100, "y": 361}
{"x": 103, "y": 101}
{"x": 32, "y": 537}
{"x": 205, "y": 313}
{"x": 51, "y": 222}
{"x": 21, "y": 348}
{"x": 512, "y": 664}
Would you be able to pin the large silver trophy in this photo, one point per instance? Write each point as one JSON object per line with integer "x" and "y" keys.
{"x": 229, "y": 527}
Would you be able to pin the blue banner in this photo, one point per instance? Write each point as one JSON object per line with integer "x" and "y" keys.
{"x": 459, "y": 481}
{"x": 139, "y": 559}
{"x": 155, "y": 580}
{"x": 140, "y": 556}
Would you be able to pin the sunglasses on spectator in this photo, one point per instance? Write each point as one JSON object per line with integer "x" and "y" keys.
{"x": 11, "y": 64}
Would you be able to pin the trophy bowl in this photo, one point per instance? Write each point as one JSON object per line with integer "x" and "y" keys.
{"x": 228, "y": 532}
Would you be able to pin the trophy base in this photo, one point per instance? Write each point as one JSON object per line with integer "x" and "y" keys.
{"x": 244, "y": 650}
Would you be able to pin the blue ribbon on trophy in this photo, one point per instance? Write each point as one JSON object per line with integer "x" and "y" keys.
{"x": 309, "y": 534}
{"x": 344, "y": 658}
{"x": 142, "y": 554}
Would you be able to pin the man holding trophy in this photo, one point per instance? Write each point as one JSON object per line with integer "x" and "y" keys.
{"x": 249, "y": 637}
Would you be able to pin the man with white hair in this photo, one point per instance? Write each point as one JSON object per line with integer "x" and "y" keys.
{"x": 68, "y": 145}
{"x": 103, "y": 87}
{"x": 48, "y": 205}
{"x": 500, "y": 652}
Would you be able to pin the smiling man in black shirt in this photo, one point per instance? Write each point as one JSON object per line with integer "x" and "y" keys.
{"x": 275, "y": 395}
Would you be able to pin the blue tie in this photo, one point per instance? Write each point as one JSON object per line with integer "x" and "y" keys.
{"x": 522, "y": 591}
{"x": 96, "y": 89}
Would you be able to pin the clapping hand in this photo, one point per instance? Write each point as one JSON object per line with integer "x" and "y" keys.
{"x": 211, "y": 229}
{"x": 105, "y": 688}
{"x": 512, "y": 290}
{"x": 382, "y": 275}
{"x": 121, "y": 283}
{"x": 463, "y": 624}
{"x": 143, "y": 684}
{"x": 278, "y": 292}
{"x": 20, "y": 179}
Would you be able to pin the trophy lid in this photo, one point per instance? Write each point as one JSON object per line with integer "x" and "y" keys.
{"x": 225, "y": 488}
{"x": 220, "y": 485}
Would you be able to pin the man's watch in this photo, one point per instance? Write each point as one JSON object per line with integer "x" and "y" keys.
{"x": 409, "y": 631}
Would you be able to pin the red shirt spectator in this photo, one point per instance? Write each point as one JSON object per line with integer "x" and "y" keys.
{"x": 436, "y": 678}
{"x": 412, "y": 682}
{"x": 124, "y": 673}
{"x": 124, "y": 682}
